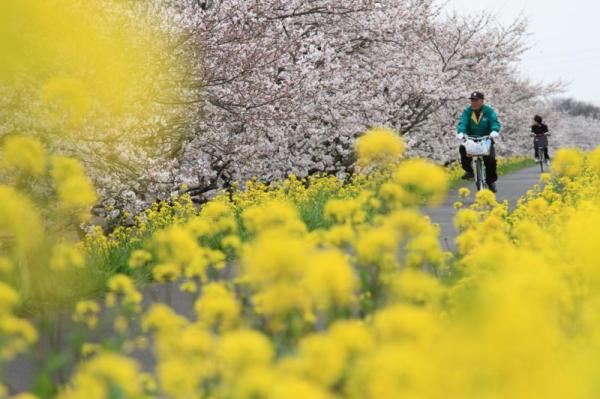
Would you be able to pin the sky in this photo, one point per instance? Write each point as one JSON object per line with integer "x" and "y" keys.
{"x": 564, "y": 40}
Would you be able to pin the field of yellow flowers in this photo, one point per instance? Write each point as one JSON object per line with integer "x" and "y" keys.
{"x": 353, "y": 300}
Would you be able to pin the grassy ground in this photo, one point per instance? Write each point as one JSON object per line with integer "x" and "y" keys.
{"x": 509, "y": 166}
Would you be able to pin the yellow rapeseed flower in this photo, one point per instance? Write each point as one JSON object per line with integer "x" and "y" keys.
{"x": 405, "y": 322}
{"x": 139, "y": 258}
{"x": 330, "y": 280}
{"x": 273, "y": 215}
{"x": 86, "y": 311}
{"x": 74, "y": 188}
{"x": 242, "y": 350}
{"x": 164, "y": 272}
{"x": 176, "y": 245}
{"x": 426, "y": 182}
{"x": 66, "y": 256}
{"x": 593, "y": 159}
{"x": 466, "y": 218}
{"x": 378, "y": 247}
{"x": 345, "y": 210}
{"x": 25, "y": 395}
{"x": 220, "y": 216}
{"x": 464, "y": 192}
{"x": 17, "y": 334}
{"x": 69, "y": 94}
{"x": 162, "y": 318}
{"x": 217, "y": 307}
{"x": 379, "y": 147}
{"x": 417, "y": 287}
{"x": 8, "y": 298}
{"x": 353, "y": 335}
{"x": 567, "y": 162}
{"x": 24, "y": 153}
{"x": 102, "y": 374}
{"x": 6, "y": 265}
{"x": 321, "y": 359}
{"x": 19, "y": 219}
{"x": 123, "y": 285}
{"x": 485, "y": 199}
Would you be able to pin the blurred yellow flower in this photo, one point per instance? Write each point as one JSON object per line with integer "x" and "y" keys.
{"x": 24, "y": 153}
{"x": 464, "y": 192}
{"x": 567, "y": 162}
{"x": 139, "y": 258}
{"x": 123, "y": 285}
{"x": 69, "y": 95}
{"x": 485, "y": 199}
{"x": 426, "y": 182}
{"x": 345, "y": 210}
{"x": 86, "y": 311}
{"x": 378, "y": 247}
{"x": 176, "y": 245}
{"x": 102, "y": 374}
{"x": 18, "y": 335}
{"x": 321, "y": 359}
{"x": 19, "y": 219}
{"x": 416, "y": 287}
{"x": 379, "y": 147}
{"x": 330, "y": 279}
{"x": 163, "y": 319}
{"x": 219, "y": 217}
{"x": 164, "y": 272}
{"x": 24, "y": 396}
{"x": 273, "y": 215}
{"x": 242, "y": 350}
{"x": 8, "y": 298}
{"x": 66, "y": 256}
{"x": 73, "y": 187}
{"x": 405, "y": 322}
{"x": 217, "y": 307}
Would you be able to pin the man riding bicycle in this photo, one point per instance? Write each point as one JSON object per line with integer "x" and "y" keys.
{"x": 479, "y": 120}
{"x": 540, "y": 132}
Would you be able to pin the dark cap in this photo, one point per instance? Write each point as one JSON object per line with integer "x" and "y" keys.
{"x": 476, "y": 95}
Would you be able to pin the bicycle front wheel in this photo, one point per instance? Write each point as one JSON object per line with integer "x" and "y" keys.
{"x": 480, "y": 183}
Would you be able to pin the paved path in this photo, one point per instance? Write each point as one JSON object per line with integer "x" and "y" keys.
{"x": 510, "y": 187}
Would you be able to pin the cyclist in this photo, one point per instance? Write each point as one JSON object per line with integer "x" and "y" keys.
{"x": 539, "y": 131}
{"x": 479, "y": 120}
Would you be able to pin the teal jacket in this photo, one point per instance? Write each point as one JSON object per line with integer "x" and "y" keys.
{"x": 488, "y": 123}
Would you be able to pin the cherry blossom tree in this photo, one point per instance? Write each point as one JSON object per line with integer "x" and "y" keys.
{"x": 271, "y": 87}
{"x": 288, "y": 85}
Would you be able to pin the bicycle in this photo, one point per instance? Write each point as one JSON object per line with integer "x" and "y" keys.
{"x": 540, "y": 143}
{"x": 477, "y": 148}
